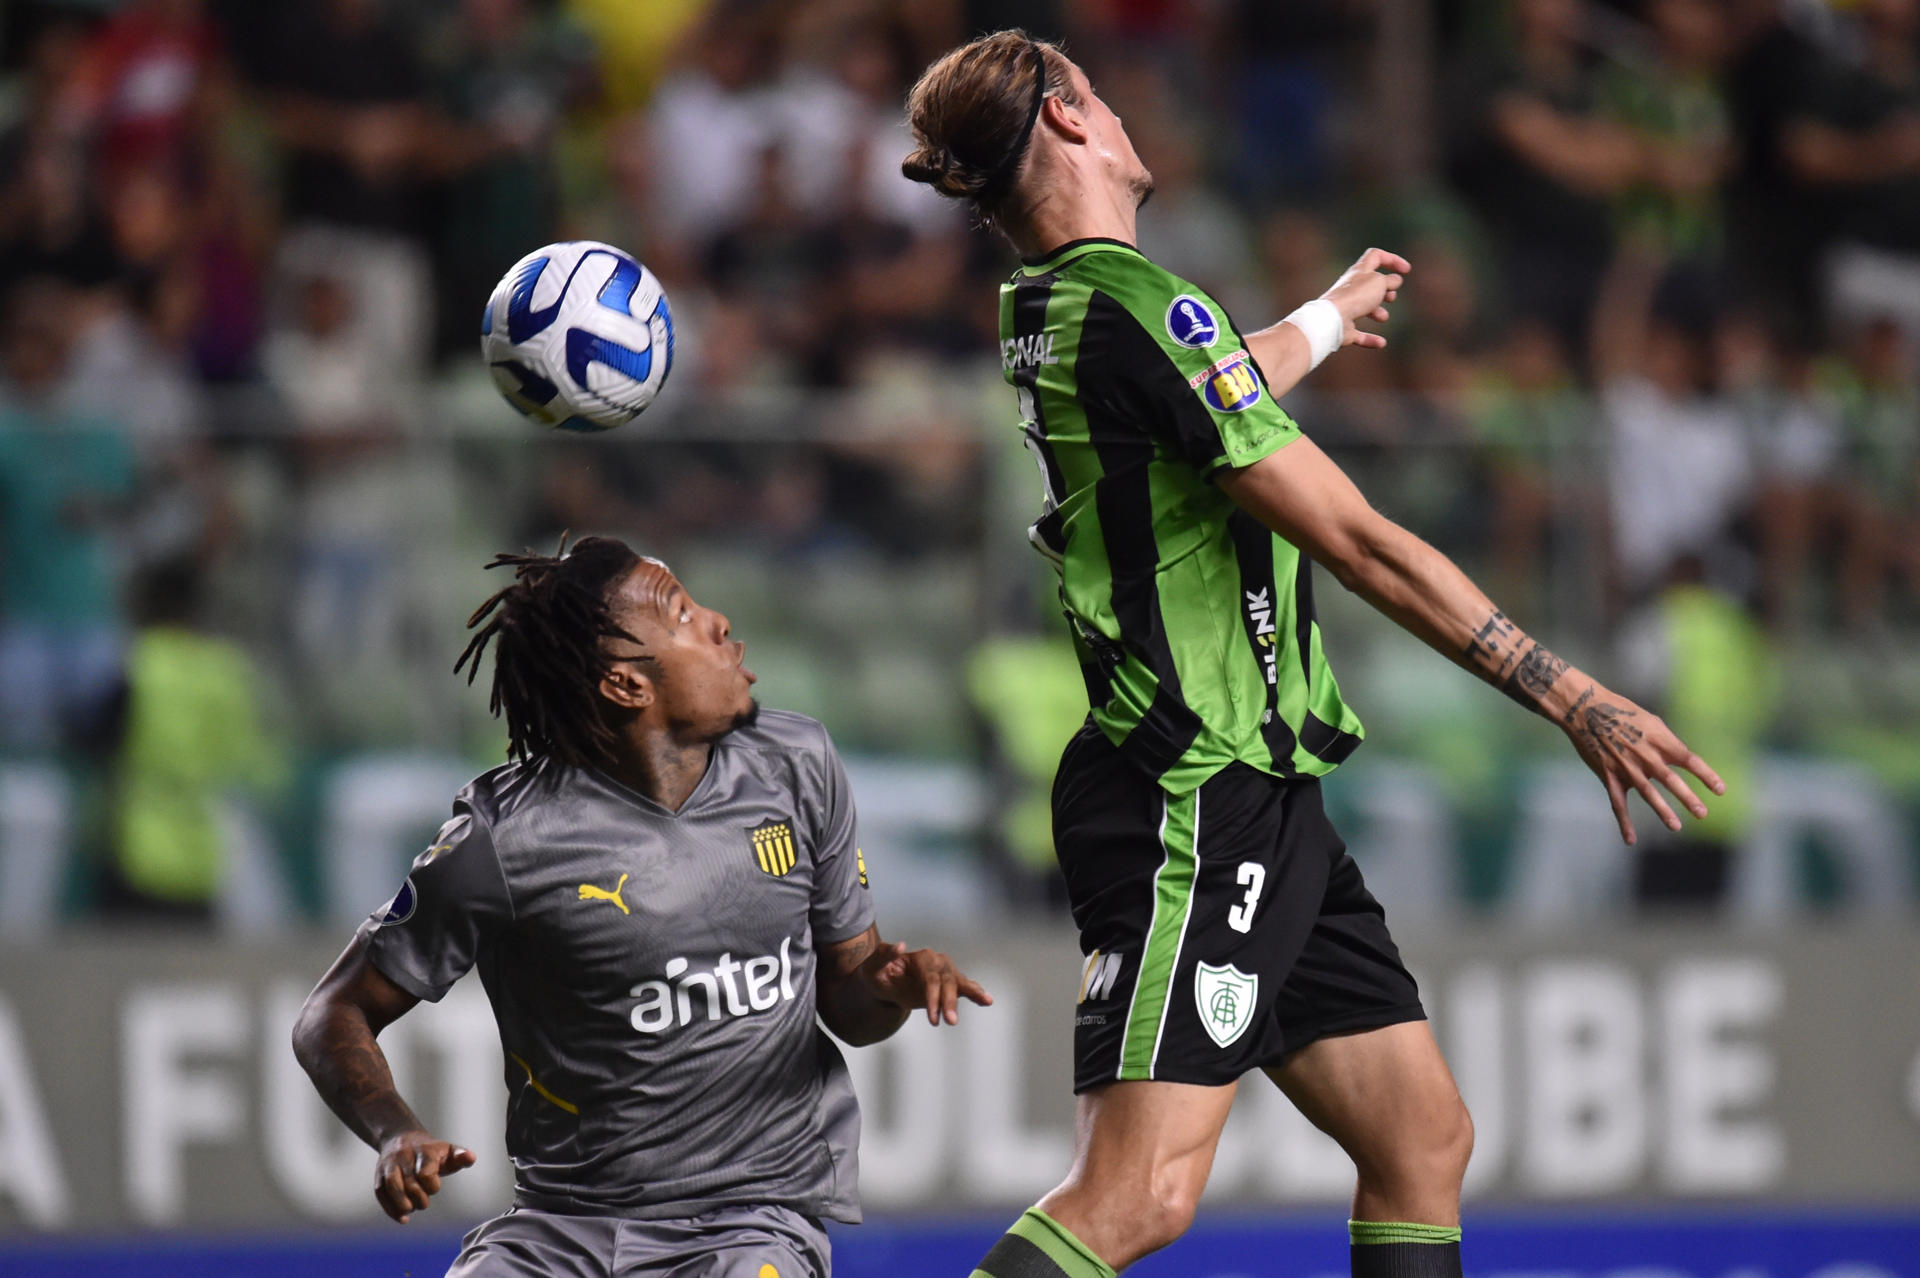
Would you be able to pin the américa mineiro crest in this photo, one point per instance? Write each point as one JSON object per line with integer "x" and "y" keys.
{"x": 1225, "y": 998}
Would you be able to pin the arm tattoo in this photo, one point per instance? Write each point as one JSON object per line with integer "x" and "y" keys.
{"x": 1492, "y": 646}
{"x": 351, "y": 1074}
{"x": 1609, "y": 725}
{"x": 1534, "y": 677}
{"x": 1520, "y": 667}
{"x": 1604, "y": 725}
{"x": 848, "y": 1006}
{"x": 846, "y": 957}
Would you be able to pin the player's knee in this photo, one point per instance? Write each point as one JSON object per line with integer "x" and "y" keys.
{"x": 1432, "y": 1153}
{"x": 1424, "y": 1160}
{"x": 1162, "y": 1214}
{"x": 1453, "y": 1142}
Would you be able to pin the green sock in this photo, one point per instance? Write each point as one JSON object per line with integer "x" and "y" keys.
{"x": 1037, "y": 1247}
{"x": 1403, "y": 1249}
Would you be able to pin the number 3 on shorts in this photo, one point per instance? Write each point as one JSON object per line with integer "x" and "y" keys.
{"x": 1252, "y": 876}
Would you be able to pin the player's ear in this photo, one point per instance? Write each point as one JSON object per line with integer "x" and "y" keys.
{"x": 627, "y": 686}
{"x": 1069, "y": 121}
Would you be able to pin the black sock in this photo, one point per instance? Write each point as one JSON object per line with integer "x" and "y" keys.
{"x": 1038, "y": 1247}
{"x": 1399, "y": 1249}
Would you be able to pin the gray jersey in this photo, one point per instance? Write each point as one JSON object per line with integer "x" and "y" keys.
{"x": 652, "y": 974}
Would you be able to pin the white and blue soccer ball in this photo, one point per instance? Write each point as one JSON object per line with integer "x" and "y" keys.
{"x": 578, "y": 336}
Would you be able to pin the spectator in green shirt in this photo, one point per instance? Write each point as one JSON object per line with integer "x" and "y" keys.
{"x": 193, "y": 738}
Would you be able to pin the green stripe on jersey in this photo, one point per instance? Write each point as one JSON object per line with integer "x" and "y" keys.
{"x": 1160, "y": 956}
{"x": 1194, "y": 625}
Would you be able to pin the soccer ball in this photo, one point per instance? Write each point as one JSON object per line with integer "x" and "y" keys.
{"x": 578, "y": 336}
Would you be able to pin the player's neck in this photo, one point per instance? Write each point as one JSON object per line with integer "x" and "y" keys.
{"x": 662, "y": 769}
{"x": 1071, "y": 212}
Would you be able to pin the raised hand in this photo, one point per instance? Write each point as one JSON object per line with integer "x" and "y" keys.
{"x": 921, "y": 978}
{"x": 409, "y": 1171}
{"x": 1364, "y": 291}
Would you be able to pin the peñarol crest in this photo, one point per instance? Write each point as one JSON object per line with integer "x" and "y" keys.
{"x": 773, "y": 849}
{"x": 1225, "y": 996}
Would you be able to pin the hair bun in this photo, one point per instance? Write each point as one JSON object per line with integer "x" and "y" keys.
{"x": 945, "y": 172}
{"x": 930, "y": 164}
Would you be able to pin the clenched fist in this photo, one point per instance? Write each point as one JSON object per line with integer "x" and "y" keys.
{"x": 409, "y": 1171}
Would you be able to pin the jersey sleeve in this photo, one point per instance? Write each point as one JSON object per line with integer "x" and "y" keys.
{"x": 1175, "y": 359}
{"x": 842, "y": 905}
{"x": 453, "y": 903}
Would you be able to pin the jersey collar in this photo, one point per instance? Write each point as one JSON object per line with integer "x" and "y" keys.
{"x": 695, "y": 797}
{"x": 1059, "y": 257}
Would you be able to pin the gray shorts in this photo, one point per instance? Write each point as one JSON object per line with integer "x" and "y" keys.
{"x": 728, "y": 1242}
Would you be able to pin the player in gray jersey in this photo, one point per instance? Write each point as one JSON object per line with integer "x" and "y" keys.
{"x": 661, "y": 891}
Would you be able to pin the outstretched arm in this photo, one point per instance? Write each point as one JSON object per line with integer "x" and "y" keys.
{"x": 1302, "y": 495}
{"x": 867, "y": 986}
{"x": 1285, "y": 352}
{"x": 335, "y": 1041}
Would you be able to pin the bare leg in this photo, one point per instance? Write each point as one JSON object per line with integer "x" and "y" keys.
{"x": 1142, "y": 1152}
{"x": 1387, "y": 1096}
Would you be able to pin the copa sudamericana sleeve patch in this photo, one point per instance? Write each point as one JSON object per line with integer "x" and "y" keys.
{"x": 1159, "y": 351}
{"x": 452, "y": 903}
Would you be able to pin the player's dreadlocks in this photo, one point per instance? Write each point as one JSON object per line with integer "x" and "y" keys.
{"x": 548, "y": 662}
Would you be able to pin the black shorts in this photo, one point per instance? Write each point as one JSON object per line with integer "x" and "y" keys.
{"x": 1222, "y": 929}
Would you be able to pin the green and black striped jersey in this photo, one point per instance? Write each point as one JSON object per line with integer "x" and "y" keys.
{"x": 1194, "y": 624}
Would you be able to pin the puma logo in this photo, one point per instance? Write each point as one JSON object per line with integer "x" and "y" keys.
{"x": 588, "y": 892}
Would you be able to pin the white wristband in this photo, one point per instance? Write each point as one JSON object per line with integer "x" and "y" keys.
{"x": 1321, "y": 323}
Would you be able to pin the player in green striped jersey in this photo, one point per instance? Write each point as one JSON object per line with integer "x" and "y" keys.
{"x": 1225, "y": 928}
{"x": 1101, "y": 342}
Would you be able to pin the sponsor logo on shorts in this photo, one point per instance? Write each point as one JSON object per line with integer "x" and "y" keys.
{"x": 1190, "y": 322}
{"x": 1098, "y": 975}
{"x": 1225, "y": 997}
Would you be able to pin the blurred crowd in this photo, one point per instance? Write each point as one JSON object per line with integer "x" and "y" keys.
{"x": 1661, "y": 342}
